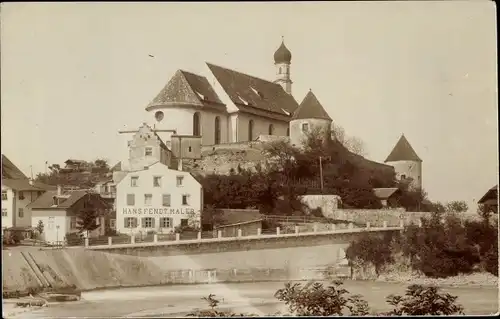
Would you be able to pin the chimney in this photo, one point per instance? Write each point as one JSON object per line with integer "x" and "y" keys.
{"x": 59, "y": 190}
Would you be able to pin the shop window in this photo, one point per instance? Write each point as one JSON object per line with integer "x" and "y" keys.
{"x": 130, "y": 222}
{"x": 166, "y": 222}
{"x": 148, "y": 222}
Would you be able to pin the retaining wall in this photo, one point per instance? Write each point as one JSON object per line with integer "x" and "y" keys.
{"x": 376, "y": 217}
{"x": 89, "y": 270}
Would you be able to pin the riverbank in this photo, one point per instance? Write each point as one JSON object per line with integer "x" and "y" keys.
{"x": 258, "y": 298}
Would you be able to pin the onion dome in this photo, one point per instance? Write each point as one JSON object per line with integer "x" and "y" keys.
{"x": 282, "y": 55}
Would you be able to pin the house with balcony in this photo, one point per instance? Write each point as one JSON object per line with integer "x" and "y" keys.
{"x": 106, "y": 188}
{"x": 18, "y": 191}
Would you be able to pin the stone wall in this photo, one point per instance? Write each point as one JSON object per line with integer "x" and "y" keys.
{"x": 244, "y": 244}
{"x": 376, "y": 217}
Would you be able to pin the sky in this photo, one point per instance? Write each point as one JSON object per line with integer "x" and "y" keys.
{"x": 73, "y": 74}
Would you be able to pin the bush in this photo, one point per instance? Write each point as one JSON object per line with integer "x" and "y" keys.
{"x": 371, "y": 249}
{"x": 315, "y": 300}
{"x": 423, "y": 301}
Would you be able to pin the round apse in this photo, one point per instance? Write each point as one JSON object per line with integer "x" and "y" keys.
{"x": 159, "y": 116}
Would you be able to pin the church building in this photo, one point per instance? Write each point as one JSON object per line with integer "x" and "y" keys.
{"x": 221, "y": 106}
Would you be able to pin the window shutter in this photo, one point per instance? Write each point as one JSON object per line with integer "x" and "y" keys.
{"x": 125, "y": 222}
{"x": 143, "y": 222}
{"x": 153, "y": 220}
{"x": 134, "y": 222}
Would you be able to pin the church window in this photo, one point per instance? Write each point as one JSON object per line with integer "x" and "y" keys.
{"x": 159, "y": 116}
{"x": 250, "y": 130}
{"x": 196, "y": 124}
{"x": 271, "y": 129}
{"x": 217, "y": 130}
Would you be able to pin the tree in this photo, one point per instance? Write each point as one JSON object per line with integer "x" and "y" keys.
{"x": 423, "y": 301}
{"x": 457, "y": 206}
{"x": 39, "y": 228}
{"x": 87, "y": 220}
{"x": 353, "y": 144}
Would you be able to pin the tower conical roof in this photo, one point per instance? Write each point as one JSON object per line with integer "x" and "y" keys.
{"x": 282, "y": 55}
{"x": 310, "y": 108}
{"x": 403, "y": 152}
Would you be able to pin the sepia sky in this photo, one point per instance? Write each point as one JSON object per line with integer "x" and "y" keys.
{"x": 73, "y": 74}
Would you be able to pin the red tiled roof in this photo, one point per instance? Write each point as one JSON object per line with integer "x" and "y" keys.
{"x": 10, "y": 171}
{"x": 188, "y": 89}
{"x": 260, "y": 95}
{"x": 403, "y": 152}
{"x": 311, "y": 108}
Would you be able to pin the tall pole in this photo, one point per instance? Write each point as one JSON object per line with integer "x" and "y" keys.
{"x": 321, "y": 173}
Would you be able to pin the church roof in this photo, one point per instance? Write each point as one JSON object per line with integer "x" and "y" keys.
{"x": 254, "y": 95}
{"x": 282, "y": 55}
{"x": 188, "y": 89}
{"x": 10, "y": 171}
{"x": 403, "y": 152}
{"x": 311, "y": 108}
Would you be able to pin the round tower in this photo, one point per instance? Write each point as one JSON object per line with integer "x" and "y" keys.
{"x": 309, "y": 118}
{"x": 406, "y": 163}
{"x": 282, "y": 61}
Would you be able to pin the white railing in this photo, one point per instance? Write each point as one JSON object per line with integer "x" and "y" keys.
{"x": 259, "y": 235}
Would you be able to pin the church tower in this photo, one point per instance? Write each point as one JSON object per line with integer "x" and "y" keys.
{"x": 406, "y": 162}
{"x": 309, "y": 118}
{"x": 282, "y": 61}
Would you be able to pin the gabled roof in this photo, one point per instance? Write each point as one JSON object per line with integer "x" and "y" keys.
{"x": 254, "y": 95}
{"x": 310, "y": 108}
{"x": 403, "y": 152}
{"x": 70, "y": 198}
{"x": 186, "y": 88}
{"x": 492, "y": 193}
{"x": 384, "y": 193}
{"x": 117, "y": 167}
{"x": 24, "y": 185}
{"x": 46, "y": 200}
{"x": 10, "y": 171}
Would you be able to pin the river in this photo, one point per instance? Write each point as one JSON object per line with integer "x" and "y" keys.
{"x": 256, "y": 298}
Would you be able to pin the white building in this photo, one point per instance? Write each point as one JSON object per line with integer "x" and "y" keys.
{"x": 59, "y": 211}
{"x": 157, "y": 198}
{"x": 17, "y": 192}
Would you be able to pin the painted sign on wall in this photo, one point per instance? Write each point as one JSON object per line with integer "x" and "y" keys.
{"x": 158, "y": 211}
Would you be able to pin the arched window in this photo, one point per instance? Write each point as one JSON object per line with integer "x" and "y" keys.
{"x": 217, "y": 130}
{"x": 250, "y": 130}
{"x": 287, "y": 131}
{"x": 196, "y": 124}
{"x": 271, "y": 129}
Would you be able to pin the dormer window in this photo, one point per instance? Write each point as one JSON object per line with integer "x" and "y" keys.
{"x": 242, "y": 100}
{"x": 257, "y": 92}
{"x": 201, "y": 96}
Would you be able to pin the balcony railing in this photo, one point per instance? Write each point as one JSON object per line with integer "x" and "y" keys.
{"x": 108, "y": 194}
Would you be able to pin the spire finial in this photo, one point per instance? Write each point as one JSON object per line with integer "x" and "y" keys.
{"x": 282, "y": 38}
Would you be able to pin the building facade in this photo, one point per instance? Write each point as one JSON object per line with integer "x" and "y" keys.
{"x": 59, "y": 212}
{"x": 157, "y": 198}
{"x": 18, "y": 191}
